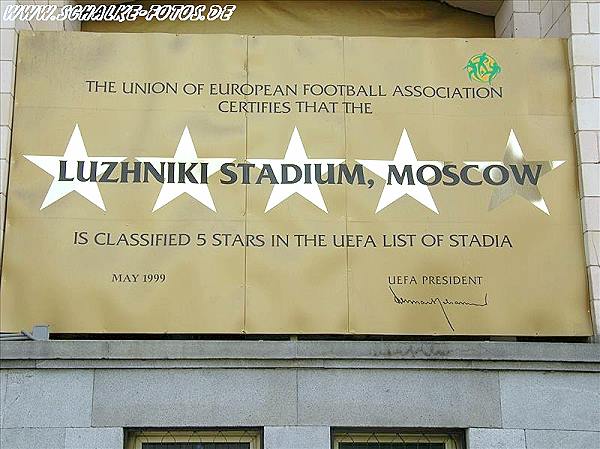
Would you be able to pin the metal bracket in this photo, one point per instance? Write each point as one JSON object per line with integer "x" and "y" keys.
{"x": 40, "y": 332}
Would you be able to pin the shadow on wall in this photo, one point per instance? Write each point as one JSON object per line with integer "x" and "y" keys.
{"x": 402, "y": 18}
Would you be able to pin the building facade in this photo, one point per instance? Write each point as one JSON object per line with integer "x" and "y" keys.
{"x": 281, "y": 390}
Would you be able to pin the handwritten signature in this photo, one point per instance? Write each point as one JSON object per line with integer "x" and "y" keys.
{"x": 442, "y": 302}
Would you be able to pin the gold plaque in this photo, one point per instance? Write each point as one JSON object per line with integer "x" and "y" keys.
{"x": 288, "y": 185}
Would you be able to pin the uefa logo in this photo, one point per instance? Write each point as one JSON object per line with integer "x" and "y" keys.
{"x": 482, "y": 68}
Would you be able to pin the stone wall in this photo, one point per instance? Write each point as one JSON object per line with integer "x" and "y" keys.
{"x": 82, "y": 394}
{"x": 534, "y": 18}
{"x": 579, "y": 22}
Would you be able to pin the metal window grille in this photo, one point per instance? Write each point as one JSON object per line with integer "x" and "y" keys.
{"x": 193, "y": 439}
{"x": 401, "y": 439}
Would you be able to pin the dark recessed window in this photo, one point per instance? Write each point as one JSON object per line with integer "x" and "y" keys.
{"x": 196, "y": 446}
{"x": 392, "y": 446}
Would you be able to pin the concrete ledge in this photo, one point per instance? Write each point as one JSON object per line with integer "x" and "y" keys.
{"x": 282, "y": 354}
{"x": 226, "y": 349}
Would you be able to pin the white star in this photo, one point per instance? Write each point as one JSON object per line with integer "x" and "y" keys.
{"x": 296, "y": 155}
{"x": 514, "y": 156}
{"x": 405, "y": 155}
{"x": 186, "y": 152}
{"x": 75, "y": 152}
